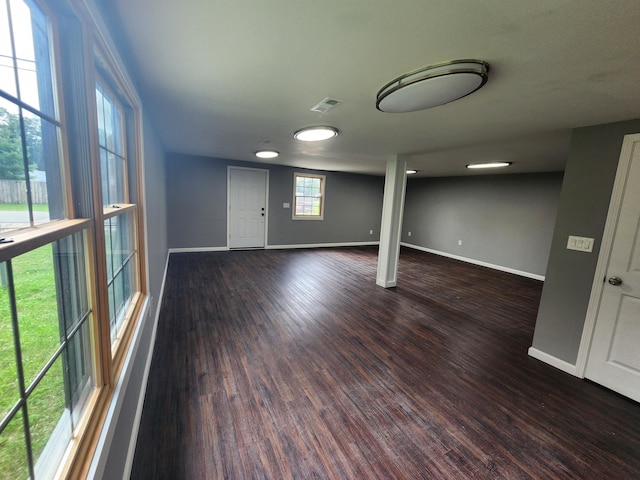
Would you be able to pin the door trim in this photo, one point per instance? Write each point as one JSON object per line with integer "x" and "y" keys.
{"x": 266, "y": 202}
{"x": 629, "y": 143}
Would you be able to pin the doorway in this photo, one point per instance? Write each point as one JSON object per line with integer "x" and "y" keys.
{"x": 612, "y": 328}
{"x": 247, "y": 207}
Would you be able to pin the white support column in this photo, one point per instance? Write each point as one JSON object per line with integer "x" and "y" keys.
{"x": 392, "y": 209}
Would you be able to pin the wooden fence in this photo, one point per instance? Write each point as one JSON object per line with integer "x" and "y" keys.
{"x": 15, "y": 191}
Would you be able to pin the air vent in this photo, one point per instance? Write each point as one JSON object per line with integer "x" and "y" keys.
{"x": 325, "y": 105}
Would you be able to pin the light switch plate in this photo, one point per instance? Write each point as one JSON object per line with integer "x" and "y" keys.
{"x": 285, "y": 205}
{"x": 580, "y": 244}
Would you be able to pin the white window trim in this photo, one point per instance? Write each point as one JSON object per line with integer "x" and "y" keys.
{"x": 323, "y": 185}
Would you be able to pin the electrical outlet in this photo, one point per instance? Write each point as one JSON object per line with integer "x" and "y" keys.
{"x": 409, "y": 234}
{"x": 459, "y": 242}
{"x": 370, "y": 232}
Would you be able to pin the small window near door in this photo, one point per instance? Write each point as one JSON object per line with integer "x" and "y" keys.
{"x": 308, "y": 197}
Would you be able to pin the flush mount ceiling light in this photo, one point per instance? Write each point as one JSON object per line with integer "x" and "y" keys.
{"x": 489, "y": 165}
{"x": 411, "y": 172}
{"x": 267, "y": 154}
{"x": 315, "y": 134}
{"x": 432, "y": 86}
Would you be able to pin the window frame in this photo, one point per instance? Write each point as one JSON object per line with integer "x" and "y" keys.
{"x": 323, "y": 181}
{"x": 107, "y": 76}
{"x": 104, "y": 67}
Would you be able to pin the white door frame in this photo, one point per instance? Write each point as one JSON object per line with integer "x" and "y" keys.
{"x": 624, "y": 163}
{"x": 266, "y": 201}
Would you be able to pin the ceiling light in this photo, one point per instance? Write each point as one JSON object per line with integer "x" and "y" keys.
{"x": 267, "y": 154}
{"x": 314, "y": 134}
{"x": 489, "y": 165}
{"x": 411, "y": 172}
{"x": 432, "y": 86}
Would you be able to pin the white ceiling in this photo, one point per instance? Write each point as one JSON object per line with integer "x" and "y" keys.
{"x": 224, "y": 78}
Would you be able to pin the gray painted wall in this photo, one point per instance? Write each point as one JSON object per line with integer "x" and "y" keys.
{"x": 197, "y": 205}
{"x": 196, "y": 201}
{"x": 504, "y": 220}
{"x": 157, "y": 251}
{"x": 584, "y": 202}
{"x": 353, "y": 207}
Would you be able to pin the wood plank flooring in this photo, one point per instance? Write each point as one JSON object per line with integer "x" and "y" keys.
{"x": 293, "y": 364}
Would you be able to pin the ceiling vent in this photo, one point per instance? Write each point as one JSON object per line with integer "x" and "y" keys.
{"x": 325, "y": 105}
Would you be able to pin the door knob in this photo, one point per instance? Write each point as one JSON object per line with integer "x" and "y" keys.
{"x": 615, "y": 281}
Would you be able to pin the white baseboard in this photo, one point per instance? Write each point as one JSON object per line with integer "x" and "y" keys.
{"x": 321, "y": 245}
{"x": 476, "y": 262}
{"x": 553, "y": 361}
{"x": 275, "y": 247}
{"x": 145, "y": 377}
{"x": 198, "y": 249}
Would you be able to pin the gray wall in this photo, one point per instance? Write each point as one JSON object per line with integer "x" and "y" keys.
{"x": 353, "y": 207}
{"x": 196, "y": 201}
{"x": 114, "y": 460}
{"x": 197, "y": 205}
{"x": 504, "y": 220}
{"x": 584, "y": 202}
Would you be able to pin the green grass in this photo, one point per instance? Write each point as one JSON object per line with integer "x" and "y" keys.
{"x": 21, "y": 207}
{"x": 39, "y": 337}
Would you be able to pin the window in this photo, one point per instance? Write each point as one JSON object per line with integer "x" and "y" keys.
{"x": 31, "y": 190}
{"x": 308, "y": 198}
{"x": 119, "y": 223}
{"x": 71, "y": 239}
{"x": 47, "y": 369}
{"x": 45, "y": 355}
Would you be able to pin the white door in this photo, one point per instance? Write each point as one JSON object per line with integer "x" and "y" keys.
{"x": 247, "y": 207}
{"x": 614, "y": 356}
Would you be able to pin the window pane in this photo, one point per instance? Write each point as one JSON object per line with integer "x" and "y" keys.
{"x": 112, "y": 148}
{"x": 121, "y": 266}
{"x": 71, "y": 275}
{"x": 37, "y": 306}
{"x": 72, "y": 278}
{"x": 114, "y": 325}
{"x": 31, "y": 191}
{"x": 45, "y": 176}
{"x": 116, "y": 178}
{"x": 14, "y": 211}
{"x": 52, "y": 305}
{"x": 7, "y": 72}
{"x": 118, "y": 140}
{"x": 9, "y": 389}
{"x": 79, "y": 359}
{"x": 49, "y": 420}
{"x": 31, "y": 37}
{"x": 100, "y": 109}
{"x": 13, "y": 450}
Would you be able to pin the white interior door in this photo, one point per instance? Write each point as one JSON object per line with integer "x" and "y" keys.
{"x": 247, "y": 207}
{"x": 614, "y": 356}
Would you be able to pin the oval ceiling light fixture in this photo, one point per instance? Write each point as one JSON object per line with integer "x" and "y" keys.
{"x": 411, "y": 172}
{"x": 315, "y": 134}
{"x": 489, "y": 165}
{"x": 267, "y": 154}
{"x": 432, "y": 86}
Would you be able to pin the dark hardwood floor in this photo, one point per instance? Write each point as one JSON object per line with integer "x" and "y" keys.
{"x": 294, "y": 364}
